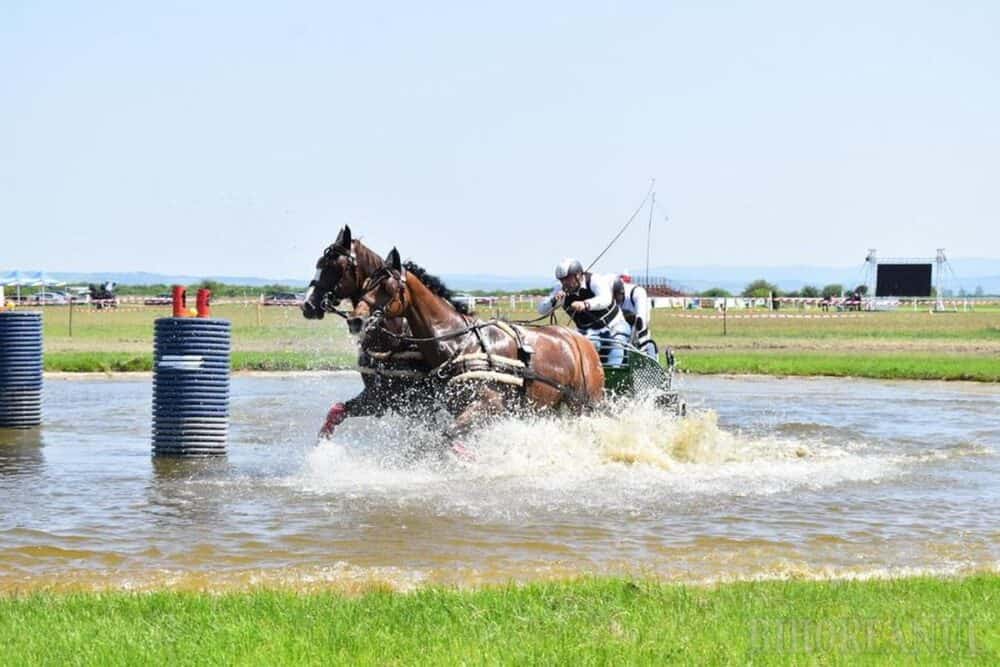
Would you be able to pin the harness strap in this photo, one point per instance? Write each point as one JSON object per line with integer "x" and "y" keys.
{"x": 406, "y": 355}
{"x": 490, "y": 376}
{"x": 476, "y": 366}
{"x": 569, "y": 393}
{"x": 391, "y": 372}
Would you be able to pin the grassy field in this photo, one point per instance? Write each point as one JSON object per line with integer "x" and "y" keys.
{"x": 604, "y": 621}
{"x": 903, "y": 344}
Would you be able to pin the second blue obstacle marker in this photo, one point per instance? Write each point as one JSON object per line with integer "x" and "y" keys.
{"x": 191, "y": 385}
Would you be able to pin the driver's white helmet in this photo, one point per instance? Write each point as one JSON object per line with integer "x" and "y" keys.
{"x": 568, "y": 267}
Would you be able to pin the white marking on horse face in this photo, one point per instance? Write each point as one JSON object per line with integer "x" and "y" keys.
{"x": 312, "y": 288}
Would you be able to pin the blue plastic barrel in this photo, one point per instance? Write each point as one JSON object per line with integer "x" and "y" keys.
{"x": 191, "y": 386}
{"x": 20, "y": 369}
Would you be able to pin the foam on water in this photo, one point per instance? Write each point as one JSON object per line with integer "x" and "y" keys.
{"x": 630, "y": 450}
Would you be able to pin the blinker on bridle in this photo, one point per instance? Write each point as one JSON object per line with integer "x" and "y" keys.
{"x": 332, "y": 253}
{"x": 375, "y": 281}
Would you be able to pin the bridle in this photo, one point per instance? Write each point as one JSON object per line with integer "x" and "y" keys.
{"x": 330, "y": 256}
{"x": 375, "y": 281}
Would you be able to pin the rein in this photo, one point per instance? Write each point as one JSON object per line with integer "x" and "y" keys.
{"x": 541, "y": 318}
{"x": 431, "y": 339}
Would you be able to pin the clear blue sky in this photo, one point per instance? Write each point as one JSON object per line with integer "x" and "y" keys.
{"x": 236, "y": 138}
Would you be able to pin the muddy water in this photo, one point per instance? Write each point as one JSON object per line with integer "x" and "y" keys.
{"x": 767, "y": 478}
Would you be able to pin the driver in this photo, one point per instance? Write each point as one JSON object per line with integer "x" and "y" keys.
{"x": 587, "y": 298}
{"x": 632, "y": 299}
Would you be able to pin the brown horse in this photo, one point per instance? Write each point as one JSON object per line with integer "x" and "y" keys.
{"x": 394, "y": 373}
{"x": 489, "y": 367}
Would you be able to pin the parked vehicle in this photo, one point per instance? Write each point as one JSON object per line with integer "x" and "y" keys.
{"x": 164, "y": 299}
{"x": 283, "y": 299}
{"x": 50, "y": 299}
{"x": 78, "y": 294}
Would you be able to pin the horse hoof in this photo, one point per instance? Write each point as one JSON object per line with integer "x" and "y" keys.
{"x": 337, "y": 414}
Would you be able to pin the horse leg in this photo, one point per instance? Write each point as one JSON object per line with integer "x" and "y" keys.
{"x": 488, "y": 404}
{"x": 365, "y": 404}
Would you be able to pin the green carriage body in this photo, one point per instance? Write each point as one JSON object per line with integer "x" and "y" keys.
{"x": 641, "y": 375}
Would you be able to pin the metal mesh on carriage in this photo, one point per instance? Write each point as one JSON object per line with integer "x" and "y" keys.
{"x": 647, "y": 373}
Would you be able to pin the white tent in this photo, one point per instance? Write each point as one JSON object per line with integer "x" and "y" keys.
{"x": 45, "y": 281}
{"x": 19, "y": 279}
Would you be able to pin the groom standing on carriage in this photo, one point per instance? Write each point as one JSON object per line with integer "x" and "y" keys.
{"x": 588, "y": 299}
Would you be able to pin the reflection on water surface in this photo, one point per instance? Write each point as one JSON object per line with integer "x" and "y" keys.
{"x": 769, "y": 477}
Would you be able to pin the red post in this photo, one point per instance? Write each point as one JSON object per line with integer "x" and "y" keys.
{"x": 180, "y": 301}
{"x": 204, "y": 303}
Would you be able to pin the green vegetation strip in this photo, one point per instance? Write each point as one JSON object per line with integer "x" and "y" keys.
{"x": 885, "y": 366}
{"x": 927, "y": 620}
{"x": 125, "y": 362}
{"x": 874, "y": 365}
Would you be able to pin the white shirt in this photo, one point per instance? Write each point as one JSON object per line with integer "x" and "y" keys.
{"x": 600, "y": 284}
{"x": 637, "y": 302}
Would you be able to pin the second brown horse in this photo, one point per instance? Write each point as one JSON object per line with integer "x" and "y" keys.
{"x": 490, "y": 367}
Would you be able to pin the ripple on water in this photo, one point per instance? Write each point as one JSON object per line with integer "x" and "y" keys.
{"x": 765, "y": 484}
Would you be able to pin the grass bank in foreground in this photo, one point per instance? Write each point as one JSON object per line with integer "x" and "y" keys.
{"x": 603, "y": 621}
{"x": 900, "y": 366}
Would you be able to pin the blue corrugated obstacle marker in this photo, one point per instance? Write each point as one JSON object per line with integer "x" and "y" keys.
{"x": 20, "y": 369}
{"x": 191, "y": 386}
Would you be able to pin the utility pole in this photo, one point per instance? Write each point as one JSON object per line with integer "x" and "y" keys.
{"x": 649, "y": 234}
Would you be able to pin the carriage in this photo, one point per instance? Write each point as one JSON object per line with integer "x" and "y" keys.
{"x": 640, "y": 375}
{"x": 542, "y": 367}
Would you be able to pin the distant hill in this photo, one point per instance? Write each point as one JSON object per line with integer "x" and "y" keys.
{"x": 965, "y": 273}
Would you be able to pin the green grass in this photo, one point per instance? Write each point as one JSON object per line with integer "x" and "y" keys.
{"x": 124, "y": 362}
{"x": 904, "y": 344}
{"x": 887, "y": 366}
{"x": 601, "y": 621}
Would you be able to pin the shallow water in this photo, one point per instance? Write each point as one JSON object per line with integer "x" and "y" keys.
{"x": 767, "y": 478}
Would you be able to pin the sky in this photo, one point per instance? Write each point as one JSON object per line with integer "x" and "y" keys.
{"x": 235, "y": 138}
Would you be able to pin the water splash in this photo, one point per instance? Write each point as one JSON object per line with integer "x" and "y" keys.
{"x": 629, "y": 450}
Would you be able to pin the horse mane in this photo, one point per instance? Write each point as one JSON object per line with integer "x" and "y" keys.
{"x": 371, "y": 260}
{"x": 435, "y": 285}
{"x": 367, "y": 257}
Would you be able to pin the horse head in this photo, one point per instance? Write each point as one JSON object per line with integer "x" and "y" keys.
{"x": 336, "y": 277}
{"x": 384, "y": 295}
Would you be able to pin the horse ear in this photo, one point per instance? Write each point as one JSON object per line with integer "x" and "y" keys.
{"x": 392, "y": 260}
{"x": 343, "y": 238}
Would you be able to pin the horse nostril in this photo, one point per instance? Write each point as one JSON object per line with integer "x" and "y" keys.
{"x": 354, "y": 325}
{"x": 310, "y": 312}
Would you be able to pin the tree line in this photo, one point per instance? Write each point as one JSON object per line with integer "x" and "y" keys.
{"x": 762, "y": 289}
